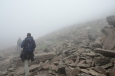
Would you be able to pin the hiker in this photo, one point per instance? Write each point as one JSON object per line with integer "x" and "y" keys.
{"x": 27, "y": 55}
{"x": 18, "y": 44}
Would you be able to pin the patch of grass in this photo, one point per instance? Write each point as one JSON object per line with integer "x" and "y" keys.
{"x": 42, "y": 47}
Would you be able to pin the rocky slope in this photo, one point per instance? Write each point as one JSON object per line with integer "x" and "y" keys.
{"x": 84, "y": 50}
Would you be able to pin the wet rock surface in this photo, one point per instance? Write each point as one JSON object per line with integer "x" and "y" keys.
{"x": 85, "y": 55}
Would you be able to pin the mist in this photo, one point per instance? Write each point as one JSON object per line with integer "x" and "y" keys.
{"x": 39, "y": 17}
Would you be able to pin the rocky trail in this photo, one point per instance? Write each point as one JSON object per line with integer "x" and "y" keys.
{"x": 91, "y": 53}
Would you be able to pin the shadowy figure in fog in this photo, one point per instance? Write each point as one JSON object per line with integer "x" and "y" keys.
{"x": 27, "y": 54}
{"x": 28, "y": 46}
{"x": 18, "y": 44}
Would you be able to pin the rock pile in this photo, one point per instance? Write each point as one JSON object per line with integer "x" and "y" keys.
{"x": 89, "y": 55}
{"x": 109, "y": 35}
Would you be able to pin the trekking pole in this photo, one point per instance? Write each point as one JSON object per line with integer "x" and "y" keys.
{"x": 26, "y": 65}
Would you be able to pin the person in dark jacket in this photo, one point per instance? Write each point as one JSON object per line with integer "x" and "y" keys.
{"x": 28, "y": 45}
{"x": 27, "y": 54}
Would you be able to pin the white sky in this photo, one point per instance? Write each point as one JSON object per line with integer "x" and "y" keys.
{"x": 39, "y": 17}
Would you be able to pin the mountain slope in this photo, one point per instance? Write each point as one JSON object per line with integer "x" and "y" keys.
{"x": 70, "y": 38}
{"x": 70, "y": 33}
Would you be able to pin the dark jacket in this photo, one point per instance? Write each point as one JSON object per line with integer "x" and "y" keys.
{"x": 27, "y": 54}
{"x": 24, "y": 46}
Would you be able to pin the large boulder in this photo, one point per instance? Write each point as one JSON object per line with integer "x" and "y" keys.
{"x": 38, "y": 58}
{"x": 111, "y": 20}
{"x": 92, "y": 35}
{"x": 98, "y": 43}
{"x": 106, "y": 30}
{"x": 107, "y": 53}
{"x": 109, "y": 42}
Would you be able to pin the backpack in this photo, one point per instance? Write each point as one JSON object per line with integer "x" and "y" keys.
{"x": 29, "y": 42}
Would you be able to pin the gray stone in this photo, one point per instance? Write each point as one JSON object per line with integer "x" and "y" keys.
{"x": 92, "y": 35}
{"x": 111, "y": 20}
{"x": 107, "y": 53}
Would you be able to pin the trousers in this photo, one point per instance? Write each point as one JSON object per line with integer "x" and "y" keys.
{"x": 26, "y": 67}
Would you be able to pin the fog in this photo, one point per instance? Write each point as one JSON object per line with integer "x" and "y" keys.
{"x": 39, "y": 17}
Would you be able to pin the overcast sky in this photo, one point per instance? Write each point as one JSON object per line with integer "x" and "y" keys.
{"x": 39, "y": 17}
